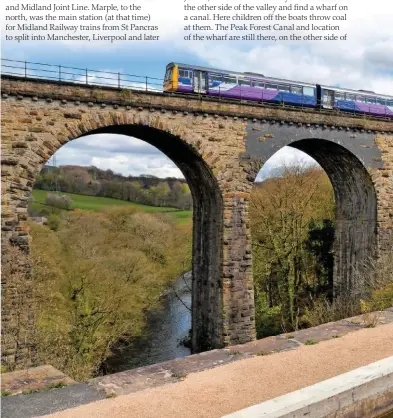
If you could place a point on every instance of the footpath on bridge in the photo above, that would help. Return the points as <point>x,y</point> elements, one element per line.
<point>250,380</point>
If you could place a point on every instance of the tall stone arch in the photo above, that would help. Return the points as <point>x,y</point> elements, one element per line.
<point>222,301</point>
<point>352,169</point>
<point>355,245</point>
<point>207,227</point>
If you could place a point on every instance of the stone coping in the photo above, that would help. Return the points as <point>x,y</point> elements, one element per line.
<point>33,380</point>
<point>173,371</point>
<point>363,392</point>
<point>91,94</point>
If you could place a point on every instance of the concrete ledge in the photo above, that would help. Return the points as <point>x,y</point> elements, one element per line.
<point>364,392</point>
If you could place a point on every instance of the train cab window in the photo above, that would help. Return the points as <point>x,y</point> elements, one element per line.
<point>370,100</point>
<point>284,89</point>
<point>243,82</point>
<point>168,75</point>
<point>296,90</point>
<point>350,97</point>
<point>229,80</point>
<point>185,74</point>
<point>258,84</point>
<point>308,91</point>
<point>339,96</point>
<point>271,86</point>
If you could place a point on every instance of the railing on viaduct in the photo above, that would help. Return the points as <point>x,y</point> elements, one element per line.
<point>86,76</point>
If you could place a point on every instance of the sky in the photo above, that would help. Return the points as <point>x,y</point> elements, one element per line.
<point>364,61</point>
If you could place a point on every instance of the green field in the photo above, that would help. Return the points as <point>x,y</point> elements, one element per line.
<point>98,204</point>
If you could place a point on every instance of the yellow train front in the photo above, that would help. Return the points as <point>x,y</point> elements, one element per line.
<point>185,78</point>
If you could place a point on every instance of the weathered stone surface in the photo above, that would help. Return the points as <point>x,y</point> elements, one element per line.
<point>218,147</point>
<point>172,371</point>
<point>34,379</point>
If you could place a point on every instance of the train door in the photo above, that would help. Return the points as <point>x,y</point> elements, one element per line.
<point>328,99</point>
<point>200,81</point>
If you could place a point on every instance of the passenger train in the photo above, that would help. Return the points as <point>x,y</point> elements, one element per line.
<point>183,78</point>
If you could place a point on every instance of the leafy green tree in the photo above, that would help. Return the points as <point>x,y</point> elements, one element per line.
<point>282,209</point>
<point>101,274</point>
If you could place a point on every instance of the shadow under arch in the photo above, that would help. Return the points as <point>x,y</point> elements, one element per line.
<point>356,212</point>
<point>207,229</point>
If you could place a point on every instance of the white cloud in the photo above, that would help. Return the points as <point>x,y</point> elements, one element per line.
<point>135,165</point>
<point>286,156</point>
<point>119,153</point>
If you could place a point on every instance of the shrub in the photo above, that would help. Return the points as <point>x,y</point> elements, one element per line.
<point>268,320</point>
<point>59,201</point>
<point>53,222</point>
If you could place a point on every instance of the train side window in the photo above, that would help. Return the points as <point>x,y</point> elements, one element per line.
<point>243,82</point>
<point>389,103</point>
<point>361,99</point>
<point>229,80</point>
<point>381,101</point>
<point>370,100</point>
<point>271,86</point>
<point>258,84</point>
<point>285,89</point>
<point>350,97</point>
<point>184,73</point>
<point>339,96</point>
<point>215,78</point>
<point>296,90</point>
<point>308,91</point>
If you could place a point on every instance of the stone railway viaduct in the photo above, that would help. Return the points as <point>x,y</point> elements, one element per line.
<point>220,146</point>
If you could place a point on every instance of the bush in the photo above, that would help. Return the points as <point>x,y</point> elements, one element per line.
<point>377,278</point>
<point>381,285</point>
<point>53,222</point>
<point>381,299</point>
<point>267,320</point>
<point>322,310</point>
<point>59,201</point>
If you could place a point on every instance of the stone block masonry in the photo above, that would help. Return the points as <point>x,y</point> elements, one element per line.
<point>220,147</point>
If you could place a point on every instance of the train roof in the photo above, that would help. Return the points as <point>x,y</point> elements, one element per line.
<point>246,74</point>
<point>358,92</point>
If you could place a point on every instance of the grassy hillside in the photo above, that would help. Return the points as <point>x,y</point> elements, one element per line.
<point>97,204</point>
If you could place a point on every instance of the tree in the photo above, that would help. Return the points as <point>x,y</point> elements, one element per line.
<point>100,275</point>
<point>282,209</point>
